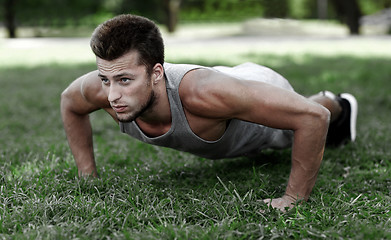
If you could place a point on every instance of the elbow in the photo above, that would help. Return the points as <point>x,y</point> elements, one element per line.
<point>321,119</point>
<point>67,103</point>
<point>326,119</point>
<point>64,99</point>
<point>325,116</point>
<point>316,120</point>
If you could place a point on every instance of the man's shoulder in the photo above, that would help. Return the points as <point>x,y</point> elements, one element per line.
<point>201,85</point>
<point>198,79</point>
<point>175,66</point>
<point>90,83</point>
<point>91,89</point>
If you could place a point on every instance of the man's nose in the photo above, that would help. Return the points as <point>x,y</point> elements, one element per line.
<point>114,94</point>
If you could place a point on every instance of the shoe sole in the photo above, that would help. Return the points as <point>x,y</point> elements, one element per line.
<point>353,114</point>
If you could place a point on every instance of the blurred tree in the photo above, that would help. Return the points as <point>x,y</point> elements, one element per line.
<point>275,8</point>
<point>220,10</point>
<point>9,17</point>
<point>53,13</point>
<point>322,9</point>
<point>303,9</point>
<point>59,13</point>
<point>171,8</point>
<point>152,9</point>
<point>349,12</point>
<point>160,11</point>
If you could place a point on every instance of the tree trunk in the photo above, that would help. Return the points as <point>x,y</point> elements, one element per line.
<point>9,8</point>
<point>350,13</point>
<point>322,9</point>
<point>172,10</point>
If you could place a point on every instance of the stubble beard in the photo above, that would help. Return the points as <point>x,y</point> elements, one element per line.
<point>143,108</point>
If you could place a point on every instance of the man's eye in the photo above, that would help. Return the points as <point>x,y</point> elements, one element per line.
<point>105,81</point>
<point>125,80</point>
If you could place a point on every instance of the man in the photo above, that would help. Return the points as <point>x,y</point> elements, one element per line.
<point>215,113</point>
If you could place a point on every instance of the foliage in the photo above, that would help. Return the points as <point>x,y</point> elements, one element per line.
<point>275,8</point>
<point>216,10</point>
<point>371,7</point>
<point>58,13</point>
<point>152,9</point>
<point>196,10</point>
<point>303,9</point>
<point>54,12</point>
<point>71,13</point>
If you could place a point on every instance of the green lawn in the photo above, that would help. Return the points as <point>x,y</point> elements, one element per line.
<point>146,192</point>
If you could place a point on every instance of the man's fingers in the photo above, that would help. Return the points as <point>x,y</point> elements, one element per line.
<point>278,203</point>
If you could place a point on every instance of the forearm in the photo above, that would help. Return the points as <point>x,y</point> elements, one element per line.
<point>79,135</point>
<point>307,154</point>
<point>306,161</point>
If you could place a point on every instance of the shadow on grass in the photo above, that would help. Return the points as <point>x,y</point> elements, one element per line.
<point>199,170</point>
<point>142,188</point>
<point>35,124</point>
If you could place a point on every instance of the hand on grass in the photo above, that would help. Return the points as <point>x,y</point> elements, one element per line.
<point>86,173</point>
<point>284,203</point>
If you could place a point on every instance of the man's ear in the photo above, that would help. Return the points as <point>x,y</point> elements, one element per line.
<point>157,73</point>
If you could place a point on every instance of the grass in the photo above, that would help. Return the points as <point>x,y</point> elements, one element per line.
<point>145,192</point>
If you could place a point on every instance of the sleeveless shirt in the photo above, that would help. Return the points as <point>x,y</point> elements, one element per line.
<point>241,138</point>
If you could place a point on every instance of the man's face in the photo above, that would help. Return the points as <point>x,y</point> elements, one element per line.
<point>127,85</point>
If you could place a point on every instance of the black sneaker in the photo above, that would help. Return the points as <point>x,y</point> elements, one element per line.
<point>343,129</point>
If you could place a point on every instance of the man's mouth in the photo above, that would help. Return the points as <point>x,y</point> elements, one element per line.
<point>118,108</point>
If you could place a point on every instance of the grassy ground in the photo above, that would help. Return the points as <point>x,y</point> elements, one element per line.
<point>145,192</point>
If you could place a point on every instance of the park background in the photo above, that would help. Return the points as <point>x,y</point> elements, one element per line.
<point>145,192</point>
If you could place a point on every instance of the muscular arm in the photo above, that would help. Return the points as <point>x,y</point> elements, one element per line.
<point>221,97</point>
<point>82,97</point>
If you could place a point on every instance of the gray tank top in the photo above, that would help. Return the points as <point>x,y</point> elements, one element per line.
<point>240,138</point>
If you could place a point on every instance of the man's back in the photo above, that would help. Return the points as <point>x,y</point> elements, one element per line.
<point>240,138</point>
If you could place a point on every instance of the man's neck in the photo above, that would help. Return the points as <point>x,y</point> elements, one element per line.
<point>157,120</point>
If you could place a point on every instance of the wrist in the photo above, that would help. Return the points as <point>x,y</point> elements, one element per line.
<point>293,199</point>
<point>87,171</point>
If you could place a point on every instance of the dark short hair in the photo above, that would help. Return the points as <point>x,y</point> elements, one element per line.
<point>124,33</point>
